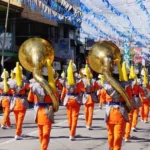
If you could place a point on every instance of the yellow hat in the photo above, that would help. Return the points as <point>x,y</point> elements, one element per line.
<point>101,77</point>
<point>70,70</point>
<point>124,72</point>
<point>14,71</point>
<point>132,74</point>
<point>50,72</point>
<point>18,72</point>
<point>63,74</point>
<point>145,78</point>
<point>7,74</point>
<point>86,71</point>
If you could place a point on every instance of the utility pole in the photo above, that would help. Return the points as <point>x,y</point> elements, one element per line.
<point>3,45</point>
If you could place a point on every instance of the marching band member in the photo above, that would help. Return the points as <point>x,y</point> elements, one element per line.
<point>145,97</point>
<point>127,86</point>
<point>5,99</point>
<point>89,96</point>
<point>116,115</point>
<point>19,103</point>
<point>44,115</point>
<point>136,102</point>
<point>71,98</point>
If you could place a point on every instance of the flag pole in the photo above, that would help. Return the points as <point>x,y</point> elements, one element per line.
<point>3,45</point>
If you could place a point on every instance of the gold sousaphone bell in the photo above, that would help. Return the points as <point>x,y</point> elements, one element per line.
<point>33,55</point>
<point>101,58</point>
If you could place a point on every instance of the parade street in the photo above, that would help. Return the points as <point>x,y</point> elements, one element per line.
<point>95,139</point>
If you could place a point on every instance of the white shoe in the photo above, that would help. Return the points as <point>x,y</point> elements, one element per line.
<point>18,137</point>
<point>145,121</point>
<point>134,130</point>
<point>71,138</point>
<point>89,128</point>
<point>4,127</point>
<point>142,120</point>
<point>127,140</point>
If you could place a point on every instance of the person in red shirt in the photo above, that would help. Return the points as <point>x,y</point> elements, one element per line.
<point>5,99</point>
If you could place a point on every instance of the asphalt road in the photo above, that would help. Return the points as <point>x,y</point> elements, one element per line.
<point>95,139</point>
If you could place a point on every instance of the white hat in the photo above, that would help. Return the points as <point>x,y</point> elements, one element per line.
<point>74,68</point>
<point>63,74</point>
<point>45,71</point>
<point>84,71</point>
<point>7,75</point>
<point>142,71</point>
<point>14,71</point>
<point>99,76</point>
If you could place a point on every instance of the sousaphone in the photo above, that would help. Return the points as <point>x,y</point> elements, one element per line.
<point>101,58</point>
<point>33,55</point>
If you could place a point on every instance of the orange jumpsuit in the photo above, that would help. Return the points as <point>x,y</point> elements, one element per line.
<point>19,105</point>
<point>89,97</point>
<point>136,104</point>
<point>144,109</point>
<point>5,99</point>
<point>130,115</point>
<point>41,116</point>
<point>114,119</point>
<point>72,100</point>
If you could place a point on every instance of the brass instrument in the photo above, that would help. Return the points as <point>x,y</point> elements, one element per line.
<point>33,55</point>
<point>101,57</point>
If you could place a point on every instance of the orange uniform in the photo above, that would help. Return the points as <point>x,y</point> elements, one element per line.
<point>19,104</point>
<point>144,109</point>
<point>115,116</point>
<point>43,117</point>
<point>72,100</point>
<point>136,102</point>
<point>89,97</point>
<point>128,125</point>
<point>5,99</point>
